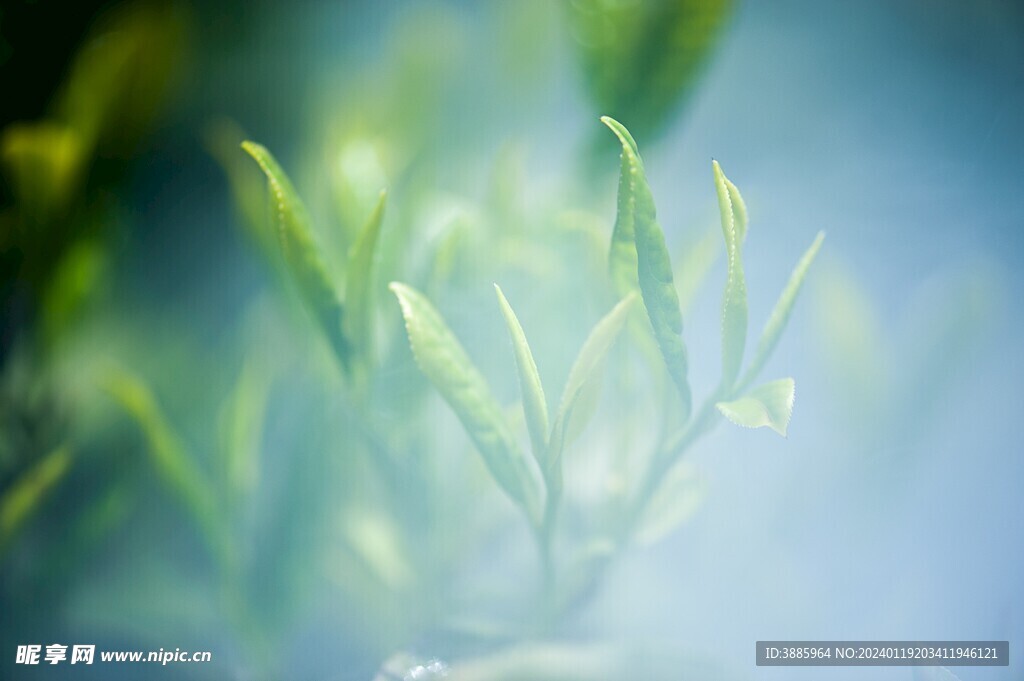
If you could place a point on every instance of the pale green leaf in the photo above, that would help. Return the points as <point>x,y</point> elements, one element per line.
<point>301,254</point>
<point>734,300</point>
<point>535,406</point>
<point>28,492</point>
<point>446,365</point>
<point>770,404</point>
<point>622,256</point>
<point>654,266</point>
<point>585,370</point>
<point>780,314</point>
<point>739,209</point>
<point>359,279</point>
<point>677,498</point>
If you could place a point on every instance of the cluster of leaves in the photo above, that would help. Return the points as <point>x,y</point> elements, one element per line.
<point>55,228</point>
<point>387,547</point>
<point>641,274</point>
<point>639,261</point>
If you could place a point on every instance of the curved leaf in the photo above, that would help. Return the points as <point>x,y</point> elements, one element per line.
<point>445,363</point>
<point>622,256</point>
<point>780,314</point>
<point>535,406</point>
<point>734,300</point>
<point>654,266</point>
<point>769,405</point>
<point>301,254</point>
<point>585,371</point>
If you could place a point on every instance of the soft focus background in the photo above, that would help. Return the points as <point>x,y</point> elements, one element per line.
<point>183,465</point>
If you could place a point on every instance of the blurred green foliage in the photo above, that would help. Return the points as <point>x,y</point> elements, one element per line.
<point>641,60</point>
<point>301,468</point>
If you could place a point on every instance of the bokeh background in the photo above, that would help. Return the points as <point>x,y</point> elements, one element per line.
<point>145,323</point>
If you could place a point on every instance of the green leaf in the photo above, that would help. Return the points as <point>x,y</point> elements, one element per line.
<point>622,256</point>
<point>770,404</point>
<point>739,208</point>
<point>28,492</point>
<point>654,266</point>
<point>447,366</point>
<point>182,477</point>
<point>677,498</point>
<point>301,254</point>
<point>535,406</point>
<point>780,314</point>
<point>734,300</point>
<point>359,279</point>
<point>585,371</point>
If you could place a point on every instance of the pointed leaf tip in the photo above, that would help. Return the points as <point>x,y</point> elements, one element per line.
<point>535,406</point>
<point>445,363</point>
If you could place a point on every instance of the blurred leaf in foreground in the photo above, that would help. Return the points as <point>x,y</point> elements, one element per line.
<point>27,493</point>
<point>641,60</point>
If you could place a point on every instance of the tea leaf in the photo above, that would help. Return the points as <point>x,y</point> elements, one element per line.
<point>447,366</point>
<point>585,370</point>
<point>301,254</point>
<point>175,468</point>
<point>359,279</point>
<point>654,266</point>
<point>780,314</point>
<point>535,406</point>
<point>739,207</point>
<point>26,494</point>
<point>770,404</point>
<point>622,256</point>
<point>734,301</point>
<point>674,502</point>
